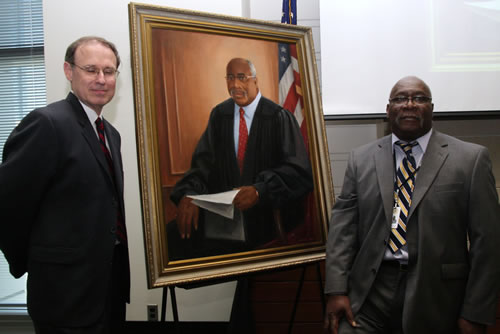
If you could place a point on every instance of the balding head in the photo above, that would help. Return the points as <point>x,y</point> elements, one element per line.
<point>241,81</point>
<point>410,108</point>
<point>410,80</point>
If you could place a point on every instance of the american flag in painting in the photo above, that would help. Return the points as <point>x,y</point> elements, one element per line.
<point>290,92</point>
<point>289,88</point>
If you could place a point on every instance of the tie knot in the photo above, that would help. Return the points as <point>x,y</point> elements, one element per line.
<point>99,123</point>
<point>407,146</point>
<point>242,112</point>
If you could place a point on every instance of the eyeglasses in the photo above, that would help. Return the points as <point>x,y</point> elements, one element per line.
<point>240,76</point>
<point>108,72</point>
<point>419,99</point>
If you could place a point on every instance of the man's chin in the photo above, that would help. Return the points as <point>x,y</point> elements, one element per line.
<point>410,124</point>
<point>102,99</point>
<point>408,133</point>
<point>240,101</point>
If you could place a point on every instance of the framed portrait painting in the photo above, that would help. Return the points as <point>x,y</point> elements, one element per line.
<point>191,72</point>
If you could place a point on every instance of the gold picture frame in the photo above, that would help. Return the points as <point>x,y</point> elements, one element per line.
<point>178,65</point>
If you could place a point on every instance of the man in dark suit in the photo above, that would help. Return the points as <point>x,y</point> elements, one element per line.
<point>413,241</point>
<point>253,144</point>
<point>61,196</point>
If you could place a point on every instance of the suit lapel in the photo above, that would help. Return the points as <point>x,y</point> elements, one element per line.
<point>432,161</point>
<point>384,165</point>
<point>114,147</point>
<point>88,133</point>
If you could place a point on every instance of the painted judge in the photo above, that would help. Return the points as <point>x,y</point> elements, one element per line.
<point>251,144</point>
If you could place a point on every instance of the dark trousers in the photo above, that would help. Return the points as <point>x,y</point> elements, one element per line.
<point>113,319</point>
<point>382,311</point>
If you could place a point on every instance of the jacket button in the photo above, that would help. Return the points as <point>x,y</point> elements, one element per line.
<point>374,271</point>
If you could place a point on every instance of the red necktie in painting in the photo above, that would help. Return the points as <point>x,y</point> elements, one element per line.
<point>242,140</point>
<point>120,224</point>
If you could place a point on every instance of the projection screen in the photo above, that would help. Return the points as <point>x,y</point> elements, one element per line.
<point>453,45</point>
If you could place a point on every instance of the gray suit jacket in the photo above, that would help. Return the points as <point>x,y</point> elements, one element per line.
<point>454,197</point>
<point>58,213</point>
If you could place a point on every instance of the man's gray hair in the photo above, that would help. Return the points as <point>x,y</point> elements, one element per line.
<point>252,68</point>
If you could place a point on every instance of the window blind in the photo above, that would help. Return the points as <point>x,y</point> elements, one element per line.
<point>22,88</point>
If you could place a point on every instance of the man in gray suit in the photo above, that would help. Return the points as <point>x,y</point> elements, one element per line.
<point>61,202</point>
<point>413,240</point>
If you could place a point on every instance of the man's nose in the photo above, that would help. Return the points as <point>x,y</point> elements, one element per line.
<point>100,77</point>
<point>236,83</point>
<point>410,102</point>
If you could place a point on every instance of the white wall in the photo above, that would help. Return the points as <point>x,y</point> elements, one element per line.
<point>307,15</point>
<point>64,22</point>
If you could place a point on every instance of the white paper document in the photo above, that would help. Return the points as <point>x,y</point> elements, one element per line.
<point>220,203</point>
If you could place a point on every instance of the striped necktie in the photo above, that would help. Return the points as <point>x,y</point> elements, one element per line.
<point>403,189</point>
<point>121,232</point>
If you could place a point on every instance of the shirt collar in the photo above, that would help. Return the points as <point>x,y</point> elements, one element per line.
<point>91,114</point>
<point>249,109</point>
<point>423,141</point>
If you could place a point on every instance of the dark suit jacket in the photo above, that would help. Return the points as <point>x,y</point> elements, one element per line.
<point>58,213</point>
<point>454,196</point>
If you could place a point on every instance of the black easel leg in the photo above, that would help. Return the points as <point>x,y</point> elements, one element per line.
<point>241,320</point>
<point>164,304</point>
<point>320,282</point>
<point>174,309</point>
<point>297,297</point>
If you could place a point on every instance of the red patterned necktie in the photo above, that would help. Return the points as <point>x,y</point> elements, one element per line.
<point>120,223</point>
<point>242,140</point>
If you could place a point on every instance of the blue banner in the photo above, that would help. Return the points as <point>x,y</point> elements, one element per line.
<point>289,12</point>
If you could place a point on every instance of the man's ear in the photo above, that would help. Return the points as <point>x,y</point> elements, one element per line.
<point>68,71</point>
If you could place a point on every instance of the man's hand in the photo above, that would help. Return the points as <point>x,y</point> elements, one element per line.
<point>246,198</point>
<point>469,327</point>
<point>337,307</point>
<point>187,215</point>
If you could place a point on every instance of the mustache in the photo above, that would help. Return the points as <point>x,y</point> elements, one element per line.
<point>234,91</point>
<point>410,114</point>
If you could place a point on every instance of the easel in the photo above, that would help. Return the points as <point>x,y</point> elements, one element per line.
<point>299,291</point>
<point>294,309</point>
<point>174,307</point>
<point>173,299</point>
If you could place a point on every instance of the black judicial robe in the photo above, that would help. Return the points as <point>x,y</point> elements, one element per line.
<point>276,164</point>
